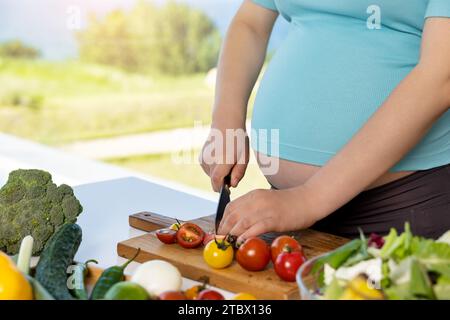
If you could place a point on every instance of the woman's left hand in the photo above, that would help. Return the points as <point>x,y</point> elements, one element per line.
<point>262,211</point>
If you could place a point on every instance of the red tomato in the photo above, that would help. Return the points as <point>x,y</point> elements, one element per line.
<point>190,235</point>
<point>253,254</point>
<point>288,263</point>
<point>209,294</point>
<point>167,236</point>
<point>172,295</point>
<point>280,243</point>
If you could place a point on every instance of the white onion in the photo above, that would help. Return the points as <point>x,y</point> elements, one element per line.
<point>158,276</point>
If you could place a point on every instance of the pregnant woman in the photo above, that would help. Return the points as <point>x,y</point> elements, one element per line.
<point>358,95</point>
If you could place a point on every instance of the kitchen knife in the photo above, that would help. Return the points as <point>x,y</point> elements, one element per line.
<point>223,200</point>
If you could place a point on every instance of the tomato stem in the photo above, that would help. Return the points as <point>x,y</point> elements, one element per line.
<point>205,281</point>
<point>287,249</point>
<point>223,244</point>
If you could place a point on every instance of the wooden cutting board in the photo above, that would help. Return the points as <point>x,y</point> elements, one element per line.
<point>263,284</point>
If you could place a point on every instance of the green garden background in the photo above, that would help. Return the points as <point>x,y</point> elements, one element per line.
<point>146,69</point>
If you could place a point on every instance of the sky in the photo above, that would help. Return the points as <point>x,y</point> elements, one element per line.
<point>43,23</point>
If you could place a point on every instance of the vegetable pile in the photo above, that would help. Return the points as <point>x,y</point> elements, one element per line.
<point>31,204</point>
<point>397,266</point>
<point>38,217</point>
<point>58,277</point>
<point>254,254</point>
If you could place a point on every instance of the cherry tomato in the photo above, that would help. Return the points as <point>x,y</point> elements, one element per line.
<point>280,242</point>
<point>244,296</point>
<point>192,293</point>
<point>190,235</point>
<point>176,226</point>
<point>208,237</point>
<point>218,254</point>
<point>253,254</point>
<point>209,294</point>
<point>167,236</point>
<point>288,263</point>
<point>172,295</point>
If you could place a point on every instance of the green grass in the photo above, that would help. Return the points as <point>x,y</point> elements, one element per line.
<point>61,102</point>
<point>164,166</point>
<point>72,101</point>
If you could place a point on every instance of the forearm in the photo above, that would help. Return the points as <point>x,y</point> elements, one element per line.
<point>241,59</point>
<point>395,128</point>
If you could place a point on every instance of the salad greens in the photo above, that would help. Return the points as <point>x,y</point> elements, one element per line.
<point>411,267</point>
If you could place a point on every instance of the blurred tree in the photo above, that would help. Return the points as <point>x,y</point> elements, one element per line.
<point>172,39</point>
<point>107,41</point>
<point>17,49</point>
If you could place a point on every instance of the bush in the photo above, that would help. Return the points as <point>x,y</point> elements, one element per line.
<point>174,39</point>
<point>32,101</point>
<point>17,49</point>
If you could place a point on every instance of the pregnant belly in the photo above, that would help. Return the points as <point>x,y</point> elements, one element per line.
<point>317,93</point>
<point>291,174</point>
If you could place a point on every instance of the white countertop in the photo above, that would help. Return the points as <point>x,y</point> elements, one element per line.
<point>108,204</point>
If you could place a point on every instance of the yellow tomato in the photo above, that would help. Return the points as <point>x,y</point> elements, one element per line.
<point>13,284</point>
<point>176,226</point>
<point>193,292</point>
<point>218,254</point>
<point>244,296</point>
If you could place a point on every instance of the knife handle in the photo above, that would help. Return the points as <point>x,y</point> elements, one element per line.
<point>227,180</point>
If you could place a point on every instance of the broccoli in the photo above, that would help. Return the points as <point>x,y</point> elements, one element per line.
<point>31,204</point>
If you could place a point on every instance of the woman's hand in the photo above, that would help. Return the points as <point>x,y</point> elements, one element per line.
<point>241,59</point>
<point>262,211</point>
<point>226,151</point>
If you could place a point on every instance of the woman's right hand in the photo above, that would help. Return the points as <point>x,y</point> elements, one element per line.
<point>226,151</point>
<point>241,59</point>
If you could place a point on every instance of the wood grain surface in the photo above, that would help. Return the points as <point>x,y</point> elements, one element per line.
<point>263,284</point>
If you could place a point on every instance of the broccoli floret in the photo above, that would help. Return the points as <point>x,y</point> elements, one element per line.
<point>30,203</point>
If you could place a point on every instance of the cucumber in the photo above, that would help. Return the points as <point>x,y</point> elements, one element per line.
<point>58,254</point>
<point>39,292</point>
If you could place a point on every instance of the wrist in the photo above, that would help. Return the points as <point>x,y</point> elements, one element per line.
<point>229,117</point>
<point>307,205</point>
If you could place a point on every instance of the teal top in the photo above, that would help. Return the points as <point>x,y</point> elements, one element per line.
<point>337,65</point>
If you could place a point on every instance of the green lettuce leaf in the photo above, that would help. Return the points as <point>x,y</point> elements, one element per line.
<point>409,280</point>
<point>389,242</point>
<point>445,238</point>
<point>398,292</point>
<point>360,255</point>
<point>334,290</point>
<point>397,246</point>
<point>442,291</point>
<point>435,256</point>
<point>442,288</point>
<point>337,257</point>
<point>419,284</point>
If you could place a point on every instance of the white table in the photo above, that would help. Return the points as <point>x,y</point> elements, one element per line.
<point>108,204</point>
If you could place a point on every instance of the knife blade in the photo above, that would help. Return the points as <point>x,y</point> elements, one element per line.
<point>224,199</point>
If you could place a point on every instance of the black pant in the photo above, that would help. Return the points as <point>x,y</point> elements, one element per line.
<point>421,198</point>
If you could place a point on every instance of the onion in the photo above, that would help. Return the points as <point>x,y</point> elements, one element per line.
<point>157,276</point>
